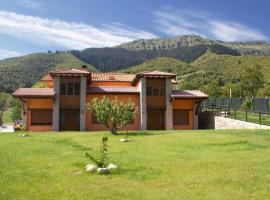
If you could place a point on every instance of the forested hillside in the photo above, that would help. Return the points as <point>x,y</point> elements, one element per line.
<point>215,74</point>
<point>26,70</point>
<point>197,61</point>
<point>110,59</point>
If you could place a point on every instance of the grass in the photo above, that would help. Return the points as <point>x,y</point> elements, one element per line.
<point>223,164</point>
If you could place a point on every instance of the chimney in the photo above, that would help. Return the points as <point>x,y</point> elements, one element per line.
<point>84,66</point>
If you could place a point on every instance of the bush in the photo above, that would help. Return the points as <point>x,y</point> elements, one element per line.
<point>103,160</point>
<point>247,104</point>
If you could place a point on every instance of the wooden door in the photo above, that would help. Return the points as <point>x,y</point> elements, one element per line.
<point>70,120</point>
<point>155,120</point>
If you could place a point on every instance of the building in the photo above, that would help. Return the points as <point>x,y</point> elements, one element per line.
<point>61,106</point>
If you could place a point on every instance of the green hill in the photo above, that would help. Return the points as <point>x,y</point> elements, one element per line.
<point>231,66</point>
<point>162,64</point>
<point>26,70</point>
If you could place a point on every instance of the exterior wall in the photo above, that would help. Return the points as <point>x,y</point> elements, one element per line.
<point>48,83</point>
<point>112,83</point>
<point>184,104</point>
<point>38,104</point>
<point>143,108</point>
<point>56,103</point>
<point>168,112</point>
<point>156,102</point>
<point>83,103</point>
<point>121,97</point>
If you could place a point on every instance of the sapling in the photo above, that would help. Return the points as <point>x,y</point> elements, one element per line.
<point>103,160</point>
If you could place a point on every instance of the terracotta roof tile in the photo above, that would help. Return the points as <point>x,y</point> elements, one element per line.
<point>186,94</point>
<point>69,71</point>
<point>33,92</point>
<point>112,90</point>
<point>156,73</point>
<point>47,77</point>
<point>112,77</point>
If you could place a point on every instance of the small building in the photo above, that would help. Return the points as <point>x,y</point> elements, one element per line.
<point>61,106</point>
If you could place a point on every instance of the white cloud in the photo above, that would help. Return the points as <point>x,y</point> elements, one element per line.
<point>172,22</point>
<point>6,54</point>
<point>32,4</point>
<point>71,35</point>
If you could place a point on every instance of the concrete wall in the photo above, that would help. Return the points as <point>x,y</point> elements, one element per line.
<point>56,103</point>
<point>168,111</point>
<point>83,103</point>
<point>227,123</point>
<point>143,111</point>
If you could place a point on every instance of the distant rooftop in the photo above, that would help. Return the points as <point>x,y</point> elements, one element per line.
<point>33,92</point>
<point>188,94</point>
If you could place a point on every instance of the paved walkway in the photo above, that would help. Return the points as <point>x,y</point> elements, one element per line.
<point>8,129</point>
<point>227,123</point>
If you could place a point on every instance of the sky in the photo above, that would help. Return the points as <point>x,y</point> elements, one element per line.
<point>29,26</point>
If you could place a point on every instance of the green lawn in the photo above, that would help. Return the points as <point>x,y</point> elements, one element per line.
<point>230,164</point>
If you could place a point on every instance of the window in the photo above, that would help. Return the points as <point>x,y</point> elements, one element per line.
<point>77,88</point>
<point>149,91</point>
<point>155,92</point>
<point>70,89</point>
<point>162,92</point>
<point>63,89</point>
<point>41,117</point>
<point>180,117</point>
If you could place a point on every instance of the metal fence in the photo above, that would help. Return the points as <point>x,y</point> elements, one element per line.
<point>257,112</point>
<point>257,104</point>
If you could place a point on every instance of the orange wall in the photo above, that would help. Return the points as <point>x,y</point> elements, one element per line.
<point>121,97</point>
<point>108,83</point>
<point>184,104</point>
<point>38,104</point>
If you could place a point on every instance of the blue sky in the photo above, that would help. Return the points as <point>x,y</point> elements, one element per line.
<point>28,26</point>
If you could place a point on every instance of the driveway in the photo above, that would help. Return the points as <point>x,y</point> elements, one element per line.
<point>8,129</point>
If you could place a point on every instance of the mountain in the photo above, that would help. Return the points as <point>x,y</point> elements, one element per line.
<point>26,70</point>
<point>212,73</point>
<point>162,64</point>
<point>135,53</point>
<point>248,47</point>
<point>189,56</point>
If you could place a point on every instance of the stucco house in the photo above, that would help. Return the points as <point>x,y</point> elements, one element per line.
<point>61,106</point>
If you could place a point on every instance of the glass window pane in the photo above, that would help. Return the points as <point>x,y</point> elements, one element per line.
<point>155,92</point>
<point>149,91</point>
<point>63,89</point>
<point>70,88</point>
<point>77,88</point>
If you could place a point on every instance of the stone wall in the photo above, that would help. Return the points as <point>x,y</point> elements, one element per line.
<point>228,123</point>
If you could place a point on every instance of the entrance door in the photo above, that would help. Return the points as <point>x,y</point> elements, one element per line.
<point>70,120</point>
<point>155,120</point>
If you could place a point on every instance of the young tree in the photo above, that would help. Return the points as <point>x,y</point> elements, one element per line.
<point>252,80</point>
<point>112,114</point>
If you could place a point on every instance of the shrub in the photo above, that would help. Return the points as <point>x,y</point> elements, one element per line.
<point>247,104</point>
<point>112,114</point>
<point>103,159</point>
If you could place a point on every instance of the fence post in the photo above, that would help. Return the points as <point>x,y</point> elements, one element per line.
<point>246,114</point>
<point>235,113</point>
<point>260,118</point>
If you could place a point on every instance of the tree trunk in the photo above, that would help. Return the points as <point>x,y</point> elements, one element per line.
<point>114,131</point>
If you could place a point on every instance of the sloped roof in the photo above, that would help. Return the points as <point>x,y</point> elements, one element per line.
<point>47,77</point>
<point>188,94</point>
<point>71,71</point>
<point>153,74</point>
<point>33,92</point>
<point>110,89</point>
<point>112,77</point>
<point>156,73</point>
